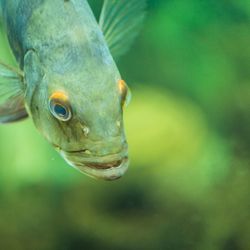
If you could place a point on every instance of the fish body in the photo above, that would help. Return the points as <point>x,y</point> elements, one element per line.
<point>68,80</point>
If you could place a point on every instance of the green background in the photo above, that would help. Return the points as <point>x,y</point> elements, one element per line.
<point>188,127</point>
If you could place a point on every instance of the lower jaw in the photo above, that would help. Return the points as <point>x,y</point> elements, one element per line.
<point>109,174</point>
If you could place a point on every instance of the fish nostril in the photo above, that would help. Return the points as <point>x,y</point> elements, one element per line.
<point>85,130</point>
<point>118,123</point>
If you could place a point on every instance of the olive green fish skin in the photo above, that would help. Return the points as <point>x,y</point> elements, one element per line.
<point>60,47</point>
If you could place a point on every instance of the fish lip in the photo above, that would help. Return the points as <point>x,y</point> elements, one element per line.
<point>108,167</point>
<point>58,148</point>
<point>105,165</point>
<point>76,151</point>
<point>108,172</point>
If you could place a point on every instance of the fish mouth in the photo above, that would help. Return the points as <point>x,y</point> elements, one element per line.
<point>107,165</point>
<point>110,167</point>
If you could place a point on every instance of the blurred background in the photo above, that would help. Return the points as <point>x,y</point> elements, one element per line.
<point>188,127</point>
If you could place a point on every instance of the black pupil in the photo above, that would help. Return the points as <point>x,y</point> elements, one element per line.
<point>60,110</point>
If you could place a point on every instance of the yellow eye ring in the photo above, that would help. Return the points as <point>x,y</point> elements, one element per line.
<point>125,93</point>
<point>59,106</point>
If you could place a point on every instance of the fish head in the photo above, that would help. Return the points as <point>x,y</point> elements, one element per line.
<point>80,112</point>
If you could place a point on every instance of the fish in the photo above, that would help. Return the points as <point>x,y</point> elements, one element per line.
<point>67,79</point>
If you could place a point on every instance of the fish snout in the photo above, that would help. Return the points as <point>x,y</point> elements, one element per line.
<point>106,168</point>
<point>108,147</point>
<point>100,160</point>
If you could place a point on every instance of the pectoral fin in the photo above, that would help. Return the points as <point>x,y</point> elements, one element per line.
<point>120,21</point>
<point>13,110</point>
<point>12,106</point>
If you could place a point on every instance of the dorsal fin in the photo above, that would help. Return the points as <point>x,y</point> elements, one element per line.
<point>1,14</point>
<point>12,106</point>
<point>120,21</point>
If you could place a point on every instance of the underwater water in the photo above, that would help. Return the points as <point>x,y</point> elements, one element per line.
<point>188,128</point>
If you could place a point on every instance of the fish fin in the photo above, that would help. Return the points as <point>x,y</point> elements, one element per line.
<point>120,21</point>
<point>12,106</point>
<point>13,109</point>
<point>1,11</point>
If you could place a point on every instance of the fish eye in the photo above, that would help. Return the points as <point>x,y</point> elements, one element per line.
<point>59,106</point>
<point>125,93</point>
